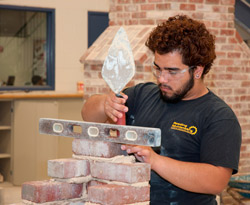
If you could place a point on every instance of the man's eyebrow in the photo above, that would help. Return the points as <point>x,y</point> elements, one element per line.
<point>167,68</point>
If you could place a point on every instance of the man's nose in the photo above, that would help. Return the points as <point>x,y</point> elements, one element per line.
<point>164,77</point>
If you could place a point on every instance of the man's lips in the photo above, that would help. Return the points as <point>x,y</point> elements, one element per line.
<point>165,88</point>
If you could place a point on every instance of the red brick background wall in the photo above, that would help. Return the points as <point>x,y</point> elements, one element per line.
<point>230,75</point>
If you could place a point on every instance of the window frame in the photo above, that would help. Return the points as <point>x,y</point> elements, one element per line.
<point>50,49</point>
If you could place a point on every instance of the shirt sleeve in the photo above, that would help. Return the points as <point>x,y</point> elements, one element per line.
<point>220,144</point>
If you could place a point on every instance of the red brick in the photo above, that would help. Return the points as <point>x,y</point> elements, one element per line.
<point>94,183</point>
<point>96,148</point>
<point>232,40</point>
<point>240,91</point>
<point>47,191</point>
<point>245,83</point>
<point>187,7</point>
<point>131,8</point>
<point>139,15</point>
<point>147,22</point>
<point>245,98</point>
<point>219,24</point>
<point>238,37</point>
<point>196,1</point>
<point>227,32</point>
<point>163,6</point>
<point>212,1</point>
<point>139,1</point>
<point>231,10</point>
<point>224,76</point>
<point>129,173</point>
<point>123,1</point>
<point>228,2</point>
<point>225,62</point>
<point>68,168</point>
<point>118,195</point>
<point>220,54</point>
<point>198,15</point>
<point>234,55</point>
<point>131,22</point>
<point>153,1</point>
<point>148,7</point>
<point>220,9</point>
<point>227,91</point>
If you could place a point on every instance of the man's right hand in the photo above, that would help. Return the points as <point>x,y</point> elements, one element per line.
<point>103,108</point>
<point>115,106</point>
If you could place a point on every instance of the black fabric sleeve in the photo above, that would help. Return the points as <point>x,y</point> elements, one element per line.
<point>220,144</point>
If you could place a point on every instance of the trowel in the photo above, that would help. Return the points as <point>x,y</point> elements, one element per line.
<point>119,66</point>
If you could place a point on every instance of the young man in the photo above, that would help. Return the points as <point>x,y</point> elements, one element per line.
<point>201,136</point>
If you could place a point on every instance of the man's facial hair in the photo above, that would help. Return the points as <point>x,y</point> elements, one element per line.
<point>180,94</point>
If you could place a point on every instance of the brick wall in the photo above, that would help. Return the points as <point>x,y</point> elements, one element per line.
<point>229,77</point>
<point>98,173</point>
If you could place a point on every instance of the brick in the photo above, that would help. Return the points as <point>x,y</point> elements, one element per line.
<point>147,7</point>
<point>228,2</point>
<point>227,91</point>
<point>238,37</point>
<point>117,195</point>
<point>187,7</point>
<point>131,8</point>
<point>139,1</point>
<point>123,1</point>
<point>153,1</point>
<point>96,148</point>
<point>139,15</point>
<point>220,9</point>
<point>227,32</point>
<point>225,62</point>
<point>212,1</point>
<point>47,191</point>
<point>94,183</point>
<point>198,15</point>
<point>196,1</point>
<point>234,55</point>
<point>147,22</point>
<point>232,40</point>
<point>163,6</point>
<point>219,24</point>
<point>68,168</point>
<point>129,173</point>
<point>245,83</point>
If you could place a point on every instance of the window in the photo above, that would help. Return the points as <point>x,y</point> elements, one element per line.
<point>97,23</point>
<point>27,48</point>
<point>242,16</point>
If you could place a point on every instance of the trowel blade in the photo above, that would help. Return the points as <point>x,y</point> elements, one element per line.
<point>119,66</point>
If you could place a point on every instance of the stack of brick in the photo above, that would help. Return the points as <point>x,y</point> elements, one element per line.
<point>98,173</point>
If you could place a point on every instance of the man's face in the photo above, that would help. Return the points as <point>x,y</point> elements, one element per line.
<point>175,81</point>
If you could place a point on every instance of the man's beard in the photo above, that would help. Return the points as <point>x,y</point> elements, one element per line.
<point>178,95</point>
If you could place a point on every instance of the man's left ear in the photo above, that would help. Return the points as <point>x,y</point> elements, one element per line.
<point>198,72</point>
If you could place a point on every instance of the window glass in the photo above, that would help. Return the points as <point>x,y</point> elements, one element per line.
<point>26,48</point>
<point>97,23</point>
<point>242,16</point>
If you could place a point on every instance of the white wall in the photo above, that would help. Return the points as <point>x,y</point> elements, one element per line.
<point>71,35</point>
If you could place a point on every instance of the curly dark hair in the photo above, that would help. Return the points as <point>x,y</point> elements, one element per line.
<point>187,36</point>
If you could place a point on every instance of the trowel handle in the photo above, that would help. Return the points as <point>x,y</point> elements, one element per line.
<point>121,121</point>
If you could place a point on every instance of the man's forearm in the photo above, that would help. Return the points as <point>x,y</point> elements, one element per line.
<point>93,109</point>
<point>194,177</point>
